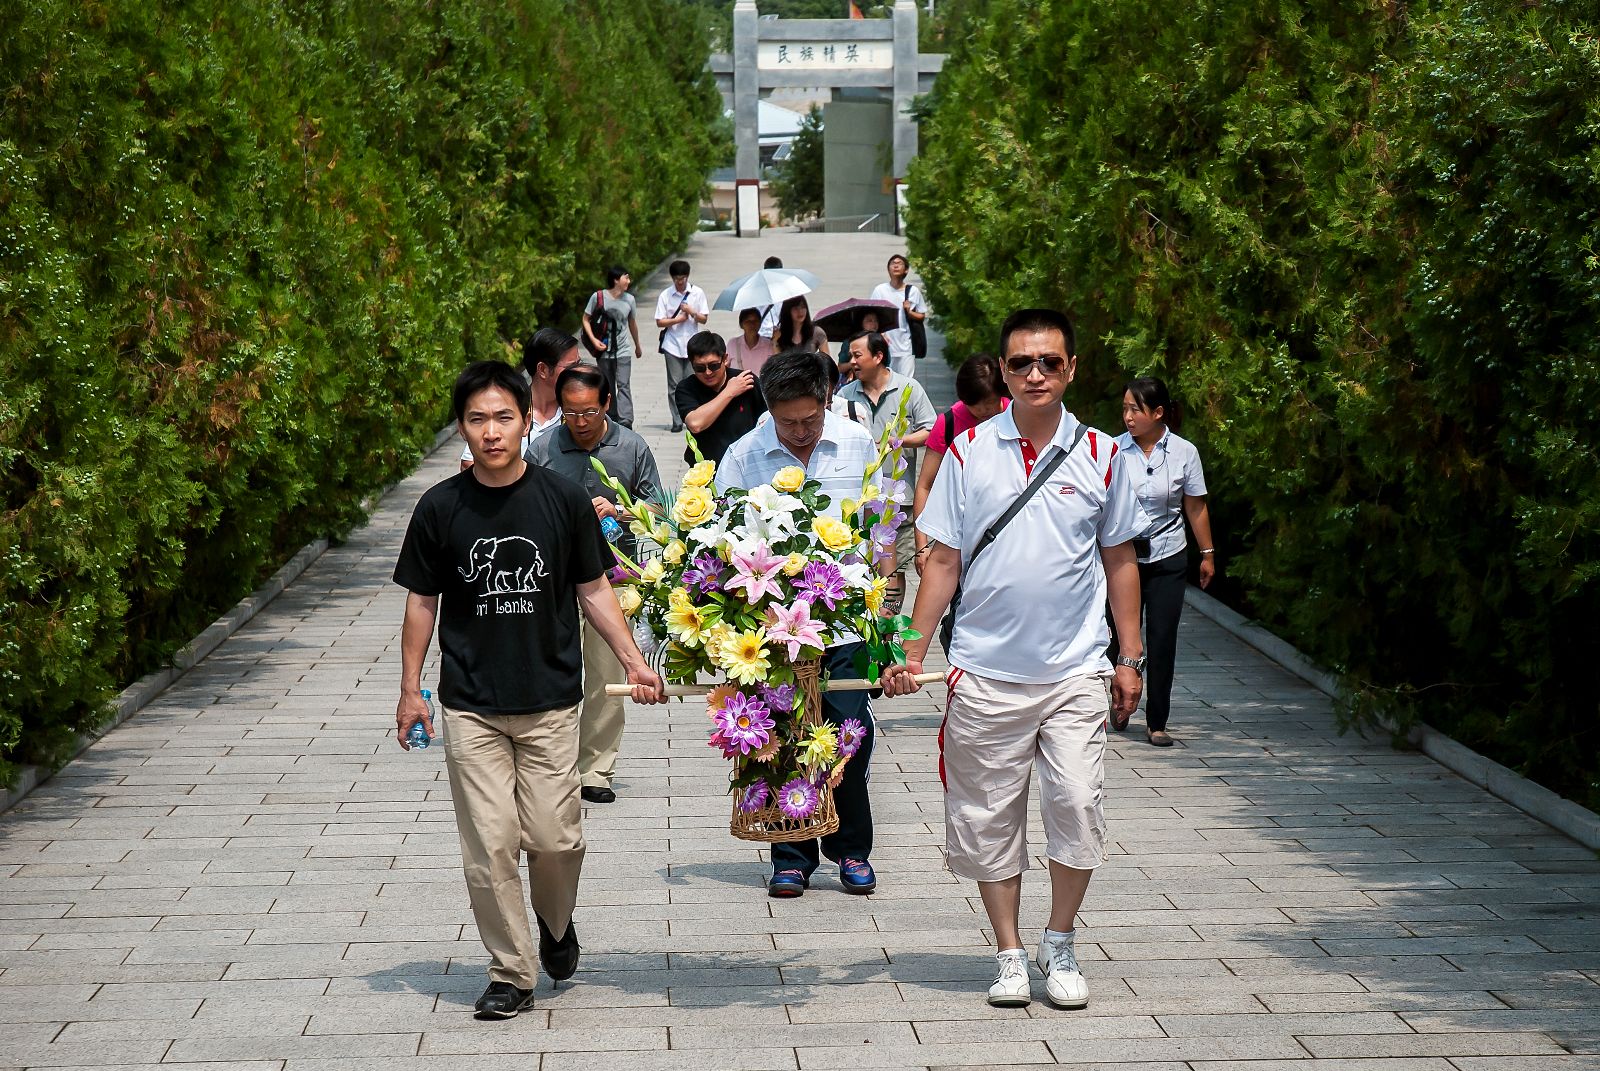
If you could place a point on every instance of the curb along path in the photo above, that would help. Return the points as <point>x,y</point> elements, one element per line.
<point>251,874</point>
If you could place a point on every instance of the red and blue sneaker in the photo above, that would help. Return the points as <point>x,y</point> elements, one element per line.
<point>787,883</point>
<point>856,876</point>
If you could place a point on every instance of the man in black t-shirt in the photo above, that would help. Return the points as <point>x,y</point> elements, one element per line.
<point>501,555</point>
<point>718,403</point>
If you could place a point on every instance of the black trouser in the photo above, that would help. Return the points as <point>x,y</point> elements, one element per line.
<point>1161,585</point>
<point>853,838</point>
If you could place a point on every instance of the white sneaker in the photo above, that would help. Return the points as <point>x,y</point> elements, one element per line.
<point>1063,982</point>
<point>1011,988</point>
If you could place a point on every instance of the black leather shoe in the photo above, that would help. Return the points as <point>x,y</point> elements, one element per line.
<point>558,958</point>
<point>502,1000</point>
<point>597,795</point>
<point>675,429</point>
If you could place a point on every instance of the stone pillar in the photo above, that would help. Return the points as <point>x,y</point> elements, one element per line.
<point>747,119</point>
<point>905,85</point>
<point>906,65</point>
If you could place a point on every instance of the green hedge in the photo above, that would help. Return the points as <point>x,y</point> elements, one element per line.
<point>1362,241</point>
<point>244,247</point>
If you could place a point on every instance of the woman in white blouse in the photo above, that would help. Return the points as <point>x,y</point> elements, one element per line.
<point>1166,470</point>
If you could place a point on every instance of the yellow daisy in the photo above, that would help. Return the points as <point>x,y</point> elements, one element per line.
<point>875,594</point>
<point>744,656</point>
<point>686,625</point>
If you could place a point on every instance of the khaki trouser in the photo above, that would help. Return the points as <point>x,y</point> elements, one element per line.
<point>514,780</point>
<point>600,725</point>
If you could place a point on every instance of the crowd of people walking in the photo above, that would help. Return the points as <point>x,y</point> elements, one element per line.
<point>1052,559</point>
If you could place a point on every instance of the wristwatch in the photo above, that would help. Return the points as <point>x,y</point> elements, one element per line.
<point>1135,664</point>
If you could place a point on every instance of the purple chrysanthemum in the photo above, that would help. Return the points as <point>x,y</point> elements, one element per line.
<point>798,798</point>
<point>851,735</point>
<point>780,699</point>
<point>702,573</point>
<point>744,723</point>
<point>754,797</point>
<point>821,582</point>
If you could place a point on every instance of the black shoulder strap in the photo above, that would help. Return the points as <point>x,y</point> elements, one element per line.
<point>1040,476</point>
<point>949,427</point>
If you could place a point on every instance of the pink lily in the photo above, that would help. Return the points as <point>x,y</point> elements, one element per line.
<point>756,573</point>
<point>794,627</point>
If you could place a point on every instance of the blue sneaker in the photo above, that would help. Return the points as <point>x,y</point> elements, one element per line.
<point>787,883</point>
<point>856,876</point>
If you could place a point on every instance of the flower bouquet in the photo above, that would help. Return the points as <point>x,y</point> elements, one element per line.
<point>750,587</point>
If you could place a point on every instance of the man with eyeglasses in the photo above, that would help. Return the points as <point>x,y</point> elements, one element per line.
<point>836,453</point>
<point>587,433</point>
<point>719,403</point>
<point>1029,684</point>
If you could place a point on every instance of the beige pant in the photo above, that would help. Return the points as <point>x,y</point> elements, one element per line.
<point>514,780</point>
<point>600,725</point>
<point>994,734</point>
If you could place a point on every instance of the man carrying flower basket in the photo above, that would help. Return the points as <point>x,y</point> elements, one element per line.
<point>1030,523</point>
<point>500,556</point>
<point>835,454</point>
<point>766,581</point>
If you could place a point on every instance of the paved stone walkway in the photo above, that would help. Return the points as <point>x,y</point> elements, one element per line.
<point>251,875</point>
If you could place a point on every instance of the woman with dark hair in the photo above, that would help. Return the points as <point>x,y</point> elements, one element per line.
<point>1166,469</point>
<point>749,350</point>
<point>795,330</point>
<point>981,393</point>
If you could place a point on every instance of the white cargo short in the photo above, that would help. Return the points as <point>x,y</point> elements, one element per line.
<point>993,736</point>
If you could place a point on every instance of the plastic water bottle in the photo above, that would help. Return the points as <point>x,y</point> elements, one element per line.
<point>611,528</point>
<point>418,736</point>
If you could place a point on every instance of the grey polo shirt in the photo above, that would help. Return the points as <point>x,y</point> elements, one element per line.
<point>624,454</point>
<point>920,413</point>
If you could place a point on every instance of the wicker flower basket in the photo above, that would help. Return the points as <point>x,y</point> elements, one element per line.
<point>769,824</point>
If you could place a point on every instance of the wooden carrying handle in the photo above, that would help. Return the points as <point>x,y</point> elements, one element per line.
<point>847,684</point>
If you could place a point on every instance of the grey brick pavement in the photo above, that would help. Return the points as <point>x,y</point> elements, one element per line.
<point>251,875</point>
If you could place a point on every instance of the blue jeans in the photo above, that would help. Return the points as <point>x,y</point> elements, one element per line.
<point>853,838</point>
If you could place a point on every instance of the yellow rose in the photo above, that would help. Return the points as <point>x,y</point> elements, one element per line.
<point>700,475</point>
<point>833,534</point>
<point>794,564</point>
<point>628,598</point>
<point>693,508</point>
<point>674,552</point>
<point>678,598</point>
<point>653,572</point>
<point>789,480</point>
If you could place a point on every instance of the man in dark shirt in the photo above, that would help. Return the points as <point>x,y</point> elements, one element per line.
<point>719,404</point>
<point>501,555</point>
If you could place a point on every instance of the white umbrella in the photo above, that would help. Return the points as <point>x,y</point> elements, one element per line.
<point>769,286</point>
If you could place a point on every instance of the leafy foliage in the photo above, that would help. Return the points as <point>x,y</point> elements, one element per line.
<point>1360,239</point>
<point>244,248</point>
<point>797,183</point>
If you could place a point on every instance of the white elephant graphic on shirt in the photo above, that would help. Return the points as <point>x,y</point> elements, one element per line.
<point>504,566</point>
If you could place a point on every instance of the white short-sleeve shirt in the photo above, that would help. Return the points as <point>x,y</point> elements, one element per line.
<point>1033,605</point>
<point>901,359</point>
<point>668,305</point>
<point>839,460</point>
<point>1171,471</point>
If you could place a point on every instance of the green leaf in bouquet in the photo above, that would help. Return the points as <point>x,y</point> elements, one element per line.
<point>909,634</point>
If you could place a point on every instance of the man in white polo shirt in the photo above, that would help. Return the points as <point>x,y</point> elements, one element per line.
<point>1029,683</point>
<point>836,453</point>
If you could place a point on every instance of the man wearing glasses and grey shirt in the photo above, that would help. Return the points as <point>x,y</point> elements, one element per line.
<point>587,433</point>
